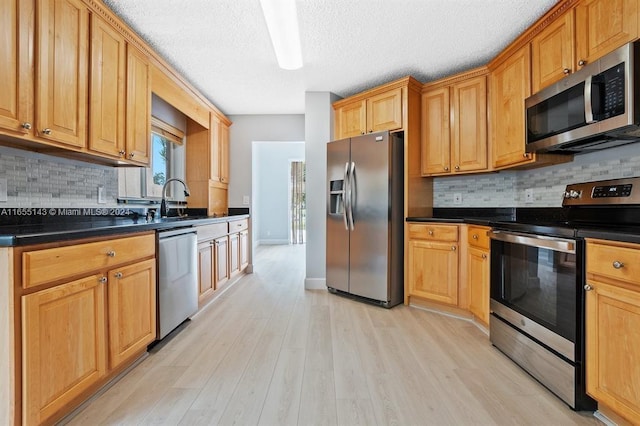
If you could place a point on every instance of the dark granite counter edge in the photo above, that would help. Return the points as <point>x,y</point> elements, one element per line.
<point>453,220</point>
<point>610,235</point>
<point>11,240</point>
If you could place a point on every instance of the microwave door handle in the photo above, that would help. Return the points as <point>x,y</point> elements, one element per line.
<point>588,101</point>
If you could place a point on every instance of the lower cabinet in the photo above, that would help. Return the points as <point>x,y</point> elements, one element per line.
<point>244,249</point>
<point>613,327</point>
<point>433,262</point>
<point>205,270</point>
<point>234,254</point>
<point>77,334</point>
<point>478,273</point>
<point>221,246</point>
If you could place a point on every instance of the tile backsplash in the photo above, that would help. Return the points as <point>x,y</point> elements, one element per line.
<point>38,180</point>
<point>507,188</point>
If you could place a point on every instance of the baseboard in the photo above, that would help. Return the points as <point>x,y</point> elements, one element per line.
<point>315,284</point>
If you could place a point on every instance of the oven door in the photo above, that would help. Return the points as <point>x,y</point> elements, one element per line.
<point>535,287</point>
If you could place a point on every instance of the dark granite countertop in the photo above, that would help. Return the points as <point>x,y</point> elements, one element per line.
<point>474,216</point>
<point>72,227</point>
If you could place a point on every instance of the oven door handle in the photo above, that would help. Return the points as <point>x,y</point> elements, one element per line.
<point>540,241</point>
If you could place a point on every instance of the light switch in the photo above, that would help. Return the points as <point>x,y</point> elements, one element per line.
<point>245,200</point>
<point>3,190</point>
<point>101,196</point>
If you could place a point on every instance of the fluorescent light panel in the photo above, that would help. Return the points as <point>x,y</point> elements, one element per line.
<point>282,22</point>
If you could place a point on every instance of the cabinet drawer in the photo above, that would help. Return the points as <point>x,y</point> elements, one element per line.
<point>620,262</point>
<point>238,225</point>
<point>431,231</point>
<point>208,232</point>
<point>42,266</point>
<point>478,237</point>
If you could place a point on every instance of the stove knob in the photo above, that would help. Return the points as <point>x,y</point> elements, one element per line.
<point>574,194</point>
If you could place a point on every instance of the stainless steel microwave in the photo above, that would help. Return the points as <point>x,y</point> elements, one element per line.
<point>596,107</point>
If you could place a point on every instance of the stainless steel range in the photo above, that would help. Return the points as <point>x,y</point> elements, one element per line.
<point>537,280</point>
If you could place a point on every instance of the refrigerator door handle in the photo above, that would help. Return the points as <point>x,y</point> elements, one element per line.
<point>352,190</point>
<point>345,192</point>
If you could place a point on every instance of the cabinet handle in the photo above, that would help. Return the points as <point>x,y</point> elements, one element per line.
<point>111,253</point>
<point>457,167</point>
<point>46,131</point>
<point>618,264</point>
<point>430,232</point>
<point>362,133</point>
<point>453,248</point>
<point>102,280</point>
<point>122,152</point>
<point>446,169</point>
<point>118,275</point>
<point>475,236</point>
<point>131,155</point>
<point>222,179</point>
<point>484,256</point>
<point>526,155</point>
<point>587,287</point>
<point>26,125</point>
<point>582,62</point>
<point>566,71</point>
<point>370,130</point>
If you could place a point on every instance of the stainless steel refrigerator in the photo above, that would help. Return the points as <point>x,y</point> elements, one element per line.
<point>365,218</point>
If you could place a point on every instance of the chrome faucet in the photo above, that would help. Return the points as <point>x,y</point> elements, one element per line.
<point>163,203</point>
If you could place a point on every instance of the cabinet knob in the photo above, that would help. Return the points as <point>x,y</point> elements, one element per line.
<point>131,155</point>
<point>618,264</point>
<point>26,125</point>
<point>446,169</point>
<point>475,236</point>
<point>111,253</point>
<point>587,287</point>
<point>362,133</point>
<point>582,62</point>
<point>46,131</point>
<point>526,155</point>
<point>484,256</point>
<point>453,248</point>
<point>370,130</point>
<point>457,167</point>
<point>430,232</point>
<point>566,71</point>
<point>118,275</point>
<point>121,152</point>
<point>102,280</point>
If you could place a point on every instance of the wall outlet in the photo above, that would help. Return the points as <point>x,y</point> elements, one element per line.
<point>245,200</point>
<point>3,190</point>
<point>457,198</point>
<point>101,195</point>
<point>528,195</point>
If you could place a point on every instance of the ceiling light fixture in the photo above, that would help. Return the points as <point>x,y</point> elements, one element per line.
<point>282,22</point>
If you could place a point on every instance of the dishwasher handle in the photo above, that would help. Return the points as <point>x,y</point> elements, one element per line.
<point>174,232</point>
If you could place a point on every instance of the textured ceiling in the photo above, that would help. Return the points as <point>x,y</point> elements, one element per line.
<point>223,48</point>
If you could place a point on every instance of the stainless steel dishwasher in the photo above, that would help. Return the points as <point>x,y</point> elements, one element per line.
<point>177,278</point>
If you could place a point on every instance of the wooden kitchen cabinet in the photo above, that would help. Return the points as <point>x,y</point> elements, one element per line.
<point>62,80</point>
<point>244,249</point>
<point>16,96</point>
<point>234,254</point>
<point>604,25</point>
<point>63,345</point>
<point>433,262</point>
<point>138,120</point>
<point>132,310</point>
<point>221,246</point>
<point>478,272</point>
<point>552,52</point>
<point>224,154</point>
<point>206,271</point>
<point>83,318</point>
<point>454,125</point>
<point>371,111</point>
<point>613,326</point>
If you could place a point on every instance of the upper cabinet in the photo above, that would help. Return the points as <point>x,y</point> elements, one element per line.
<point>374,113</point>
<point>553,55</point>
<point>138,126</point>
<point>454,125</point>
<point>604,25</point>
<point>62,71</point>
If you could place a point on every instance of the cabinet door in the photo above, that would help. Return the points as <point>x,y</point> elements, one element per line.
<point>205,269</point>
<point>222,260</point>
<point>63,345</point>
<point>478,273</point>
<point>17,61</point>
<point>224,153</point>
<point>351,120</point>
<point>62,71</point>
<point>552,53</point>
<point>132,310</point>
<point>510,86</point>
<point>138,127</point>
<point>107,91</point>
<point>436,147</point>
<point>234,254</point>
<point>214,148</point>
<point>433,271</point>
<point>604,25</point>
<point>469,139</point>
<point>384,111</point>
<point>244,249</point>
<point>612,345</point>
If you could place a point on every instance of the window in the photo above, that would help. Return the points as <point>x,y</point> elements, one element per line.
<point>164,140</point>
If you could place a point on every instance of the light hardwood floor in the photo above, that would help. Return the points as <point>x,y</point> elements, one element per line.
<point>267,352</point>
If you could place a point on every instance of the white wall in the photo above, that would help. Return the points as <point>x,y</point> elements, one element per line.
<point>271,176</point>
<point>318,131</point>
